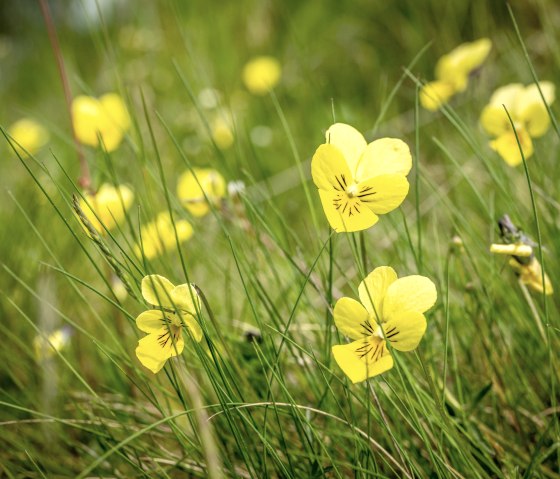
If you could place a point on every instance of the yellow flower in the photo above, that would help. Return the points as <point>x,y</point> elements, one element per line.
<point>28,135</point>
<point>159,235</point>
<point>523,260</point>
<point>46,347</point>
<point>177,306</point>
<point>107,207</point>
<point>222,134</point>
<point>357,181</point>
<point>261,74</point>
<point>198,187</point>
<point>453,71</point>
<point>106,117</point>
<point>528,113</point>
<point>390,310</point>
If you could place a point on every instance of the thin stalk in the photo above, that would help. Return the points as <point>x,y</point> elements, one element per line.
<point>85,177</point>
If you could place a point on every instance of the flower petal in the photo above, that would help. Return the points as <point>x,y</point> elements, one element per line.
<point>373,288</point>
<point>411,293</point>
<point>494,120</point>
<point>357,366</point>
<point>156,348</point>
<point>350,316</point>
<point>457,65</point>
<point>198,187</point>
<point>531,94</point>
<point>384,156</point>
<point>107,207</point>
<point>185,298</point>
<point>192,324</point>
<point>383,193</point>
<point>157,290</point>
<point>507,95</point>
<point>405,330</point>
<point>115,108</point>
<point>536,118</point>
<point>506,146</point>
<point>329,169</point>
<point>435,94</point>
<point>151,321</point>
<point>346,214</point>
<point>349,141</point>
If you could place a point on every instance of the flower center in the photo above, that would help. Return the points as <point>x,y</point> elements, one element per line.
<point>378,332</point>
<point>352,190</point>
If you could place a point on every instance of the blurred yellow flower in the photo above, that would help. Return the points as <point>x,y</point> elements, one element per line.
<point>198,187</point>
<point>357,181</point>
<point>46,347</point>
<point>107,208</point>
<point>106,117</point>
<point>390,310</point>
<point>452,73</point>
<point>119,289</point>
<point>28,135</point>
<point>528,113</point>
<point>261,74</point>
<point>222,134</point>
<point>159,235</point>
<point>177,306</point>
<point>523,261</point>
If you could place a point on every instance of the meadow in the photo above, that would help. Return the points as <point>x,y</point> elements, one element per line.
<point>199,253</point>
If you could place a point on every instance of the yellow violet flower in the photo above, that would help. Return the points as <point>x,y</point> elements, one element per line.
<point>452,73</point>
<point>107,207</point>
<point>159,235</point>
<point>390,310</point>
<point>523,261</point>
<point>358,181</point>
<point>198,187</point>
<point>528,113</point>
<point>176,307</point>
<point>106,117</point>
<point>28,135</point>
<point>45,348</point>
<point>261,74</point>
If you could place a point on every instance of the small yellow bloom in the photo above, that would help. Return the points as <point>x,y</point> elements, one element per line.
<point>523,260</point>
<point>390,310</point>
<point>159,235</point>
<point>452,73</point>
<point>107,208</point>
<point>199,187</point>
<point>177,306</point>
<point>357,181</point>
<point>261,74</point>
<point>222,134</point>
<point>46,347</point>
<point>528,113</point>
<point>106,117</point>
<point>28,135</point>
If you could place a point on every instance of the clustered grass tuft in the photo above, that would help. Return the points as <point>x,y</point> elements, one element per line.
<point>261,395</point>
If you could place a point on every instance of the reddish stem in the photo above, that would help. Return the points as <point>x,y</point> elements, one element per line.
<point>85,178</point>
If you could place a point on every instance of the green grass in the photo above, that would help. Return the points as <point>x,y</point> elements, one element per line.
<point>477,399</point>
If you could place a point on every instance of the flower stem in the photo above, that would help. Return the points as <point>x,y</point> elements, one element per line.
<point>85,178</point>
